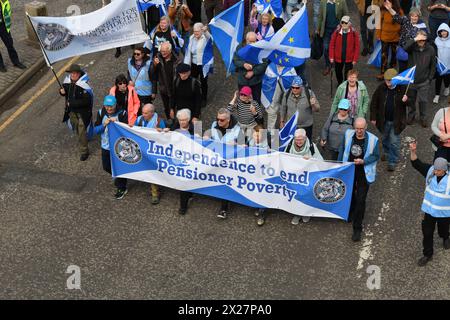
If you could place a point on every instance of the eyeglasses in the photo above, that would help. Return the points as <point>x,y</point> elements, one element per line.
<point>120,83</point>
<point>137,53</point>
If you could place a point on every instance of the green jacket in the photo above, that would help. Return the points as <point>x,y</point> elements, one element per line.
<point>363,99</point>
<point>6,14</point>
<point>341,10</point>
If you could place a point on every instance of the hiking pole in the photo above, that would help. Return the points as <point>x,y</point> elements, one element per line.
<point>331,83</point>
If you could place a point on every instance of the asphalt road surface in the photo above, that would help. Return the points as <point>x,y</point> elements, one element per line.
<point>56,211</point>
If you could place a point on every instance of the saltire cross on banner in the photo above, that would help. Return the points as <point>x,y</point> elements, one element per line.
<point>441,68</point>
<point>274,6</point>
<point>404,78</point>
<point>288,131</point>
<point>289,47</point>
<point>143,5</point>
<point>273,78</point>
<point>231,172</point>
<point>227,29</point>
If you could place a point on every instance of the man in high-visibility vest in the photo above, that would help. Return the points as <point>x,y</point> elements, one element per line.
<point>5,35</point>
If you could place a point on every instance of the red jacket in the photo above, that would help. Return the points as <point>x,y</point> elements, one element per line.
<point>133,103</point>
<point>352,50</point>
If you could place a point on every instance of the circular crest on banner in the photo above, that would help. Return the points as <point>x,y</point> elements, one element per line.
<point>127,150</point>
<point>329,190</point>
<point>54,36</point>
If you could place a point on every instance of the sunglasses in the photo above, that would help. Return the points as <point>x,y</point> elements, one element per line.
<point>137,53</point>
<point>120,83</point>
<point>343,22</point>
<point>295,88</point>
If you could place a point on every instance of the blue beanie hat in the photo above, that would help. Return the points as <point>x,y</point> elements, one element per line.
<point>297,82</point>
<point>110,101</point>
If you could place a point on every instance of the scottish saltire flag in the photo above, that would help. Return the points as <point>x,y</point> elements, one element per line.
<point>143,5</point>
<point>375,57</point>
<point>208,58</point>
<point>116,25</point>
<point>82,83</point>
<point>288,131</point>
<point>441,68</point>
<point>289,46</point>
<point>179,37</point>
<point>270,6</point>
<point>406,77</point>
<point>227,29</point>
<point>273,78</point>
<point>250,176</point>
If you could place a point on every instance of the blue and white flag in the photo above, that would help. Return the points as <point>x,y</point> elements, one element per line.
<point>227,29</point>
<point>289,46</point>
<point>116,25</point>
<point>272,78</point>
<point>143,5</point>
<point>274,6</point>
<point>204,51</point>
<point>208,58</point>
<point>441,68</point>
<point>375,57</point>
<point>405,78</point>
<point>82,83</point>
<point>239,174</point>
<point>288,131</point>
<point>161,40</point>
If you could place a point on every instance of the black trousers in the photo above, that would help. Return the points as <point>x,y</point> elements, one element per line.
<point>309,131</point>
<point>358,204</point>
<point>442,152</point>
<point>166,103</point>
<point>184,198</point>
<point>197,72</point>
<point>428,225</point>
<point>439,80</point>
<point>195,6</point>
<point>8,41</point>
<point>120,183</point>
<point>256,91</point>
<point>338,67</point>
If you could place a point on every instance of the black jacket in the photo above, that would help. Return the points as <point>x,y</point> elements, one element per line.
<point>425,61</point>
<point>187,94</point>
<point>77,100</point>
<point>164,74</point>
<point>378,108</point>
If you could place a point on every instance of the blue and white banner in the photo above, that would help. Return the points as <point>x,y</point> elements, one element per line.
<point>274,7</point>
<point>227,29</point>
<point>404,78</point>
<point>275,76</point>
<point>375,57</point>
<point>116,25</point>
<point>249,176</point>
<point>143,5</point>
<point>287,133</point>
<point>289,47</point>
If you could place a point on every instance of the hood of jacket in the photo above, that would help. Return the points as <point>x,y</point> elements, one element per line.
<point>445,27</point>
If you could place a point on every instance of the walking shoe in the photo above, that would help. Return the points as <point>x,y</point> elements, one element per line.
<point>424,124</point>
<point>257,213</point>
<point>356,235</point>
<point>295,220</point>
<point>306,219</point>
<point>118,53</point>
<point>182,211</point>
<point>84,157</point>
<point>391,167</point>
<point>424,260</point>
<point>447,91</point>
<point>446,244</point>
<point>120,193</point>
<point>383,157</point>
<point>364,52</point>
<point>2,68</point>
<point>260,221</point>
<point>326,71</point>
<point>222,214</point>
<point>155,199</point>
<point>20,65</point>
<point>436,99</point>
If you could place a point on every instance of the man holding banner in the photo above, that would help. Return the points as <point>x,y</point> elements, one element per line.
<point>360,147</point>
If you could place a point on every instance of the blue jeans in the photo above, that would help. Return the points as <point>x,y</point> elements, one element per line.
<point>391,143</point>
<point>326,44</point>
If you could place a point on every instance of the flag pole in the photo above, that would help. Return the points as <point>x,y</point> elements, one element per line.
<point>43,51</point>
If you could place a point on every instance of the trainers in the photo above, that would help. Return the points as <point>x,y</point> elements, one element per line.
<point>84,157</point>
<point>391,167</point>
<point>20,65</point>
<point>182,211</point>
<point>260,221</point>
<point>446,244</point>
<point>356,236</point>
<point>365,52</point>
<point>155,199</point>
<point>118,53</point>
<point>424,260</point>
<point>257,213</point>
<point>447,91</point>
<point>2,68</point>
<point>295,220</point>
<point>436,99</point>
<point>222,214</point>
<point>120,194</point>
<point>424,123</point>
<point>306,219</point>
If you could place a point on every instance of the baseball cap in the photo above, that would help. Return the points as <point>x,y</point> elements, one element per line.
<point>246,91</point>
<point>109,101</point>
<point>345,19</point>
<point>390,73</point>
<point>344,104</point>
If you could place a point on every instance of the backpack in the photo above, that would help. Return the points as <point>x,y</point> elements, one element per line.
<point>194,82</point>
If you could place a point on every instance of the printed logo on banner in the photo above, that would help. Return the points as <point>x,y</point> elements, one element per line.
<point>329,190</point>
<point>127,150</point>
<point>55,36</point>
